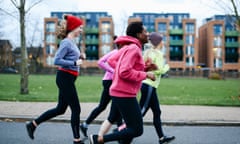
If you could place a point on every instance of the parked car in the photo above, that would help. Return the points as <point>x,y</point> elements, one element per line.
<point>9,70</point>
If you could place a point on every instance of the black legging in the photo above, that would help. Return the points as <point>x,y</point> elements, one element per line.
<point>104,101</point>
<point>67,97</point>
<point>129,109</point>
<point>148,100</point>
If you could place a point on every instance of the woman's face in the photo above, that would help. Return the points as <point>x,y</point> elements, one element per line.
<point>143,37</point>
<point>78,31</point>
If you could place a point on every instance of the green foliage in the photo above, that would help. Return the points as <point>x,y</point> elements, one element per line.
<point>172,91</point>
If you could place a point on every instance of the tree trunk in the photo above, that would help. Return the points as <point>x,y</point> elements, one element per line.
<point>24,56</point>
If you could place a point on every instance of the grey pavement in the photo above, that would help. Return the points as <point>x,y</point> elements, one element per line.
<point>171,114</point>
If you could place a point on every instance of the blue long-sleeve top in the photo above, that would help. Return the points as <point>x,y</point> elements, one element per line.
<point>67,54</point>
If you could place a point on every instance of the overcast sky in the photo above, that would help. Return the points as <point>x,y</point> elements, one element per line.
<point>120,10</point>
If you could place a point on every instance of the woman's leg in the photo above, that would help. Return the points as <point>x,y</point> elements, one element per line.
<point>155,107</point>
<point>104,101</point>
<point>58,110</point>
<point>131,114</point>
<point>62,103</point>
<point>71,97</point>
<point>146,94</point>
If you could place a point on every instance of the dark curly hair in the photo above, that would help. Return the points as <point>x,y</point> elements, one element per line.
<point>134,28</point>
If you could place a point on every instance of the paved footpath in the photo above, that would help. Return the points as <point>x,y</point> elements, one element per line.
<point>171,114</point>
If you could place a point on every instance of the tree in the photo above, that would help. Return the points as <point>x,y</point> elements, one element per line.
<point>231,8</point>
<point>1,25</point>
<point>20,6</point>
<point>236,5</point>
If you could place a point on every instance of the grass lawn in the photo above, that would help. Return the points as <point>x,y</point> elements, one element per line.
<point>172,91</point>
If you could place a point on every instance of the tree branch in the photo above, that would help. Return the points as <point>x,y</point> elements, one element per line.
<point>9,13</point>
<point>14,2</point>
<point>34,4</point>
<point>236,12</point>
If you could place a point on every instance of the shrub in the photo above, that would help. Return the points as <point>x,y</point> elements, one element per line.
<point>214,76</point>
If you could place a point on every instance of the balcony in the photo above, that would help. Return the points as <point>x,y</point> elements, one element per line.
<point>91,42</point>
<point>91,30</point>
<point>232,44</point>
<point>176,32</point>
<point>176,42</point>
<point>232,33</point>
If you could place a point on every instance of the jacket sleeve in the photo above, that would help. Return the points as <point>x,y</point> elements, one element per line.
<point>157,58</point>
<point>131,65</point>
<point>103,64</point>
<point>113,59</point>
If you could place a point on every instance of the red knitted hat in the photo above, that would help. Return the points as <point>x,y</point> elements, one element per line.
<point>73,22</point>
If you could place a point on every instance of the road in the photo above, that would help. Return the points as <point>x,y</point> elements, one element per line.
<point>60,133</point>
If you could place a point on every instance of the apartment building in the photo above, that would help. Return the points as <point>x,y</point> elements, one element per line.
<point>96,40</point>
<point>6,57</point>
<point>216,46</point>
<point>179,36</point>
<point>219,43</point>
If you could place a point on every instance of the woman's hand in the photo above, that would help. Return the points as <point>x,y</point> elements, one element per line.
<point>82,56</point>
<point>151,76</point>
<point>149,65</point>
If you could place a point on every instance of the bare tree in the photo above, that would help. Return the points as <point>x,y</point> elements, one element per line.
<point>231,8</point>
<point>236,8</point>
<point>1,26</point>
<point>20,6</point>
<point>1,33</point>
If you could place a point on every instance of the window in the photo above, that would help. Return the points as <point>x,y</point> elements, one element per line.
<point>152,18</point>
<point>164,49</point>
<point>50,38</point>
<point>190,50</point>
<point>218,63</point>
<point>231,39</point>
<point>175,37</point>
<point>106,27</point>
<point>180,17</point>
<point>170,17</point>
<point>162,27</point>
<point>176,53</point>
<point>217,41</point>
<point>231,55</point>
<point>50,50</point>
<point>164,38</point>
<point>190,61</point>
<point>217,29</point>
<point>217,52</point>
<point>50,60</point>
<point>190,28</point>
<point>189,39</point>
<point>105,49</point>
<point>106,38</point>
<point>50,27</point>
<point>91,53</point>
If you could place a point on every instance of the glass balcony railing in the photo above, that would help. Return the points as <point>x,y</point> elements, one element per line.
<point>92,42</point>
<point>232,44</point>
<point>176,32</point>
<point>176,42</point>
<point>91,30</point>
<point>232,33</point>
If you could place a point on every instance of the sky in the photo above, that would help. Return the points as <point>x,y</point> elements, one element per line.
<point>120,10</point>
